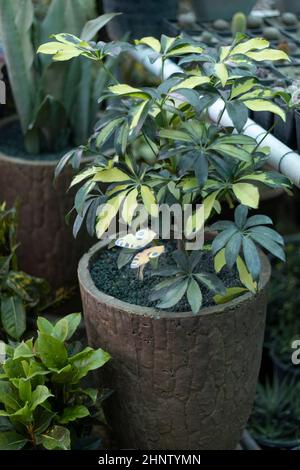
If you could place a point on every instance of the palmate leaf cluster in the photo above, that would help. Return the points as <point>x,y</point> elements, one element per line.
<point>192,160</point>
<point>41,391</point>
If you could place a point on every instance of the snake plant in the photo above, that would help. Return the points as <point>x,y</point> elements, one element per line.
<point>56,103</point>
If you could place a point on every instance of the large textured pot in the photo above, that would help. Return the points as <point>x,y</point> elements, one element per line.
<point>47,247</point>
<point>207,10</point>
<point>140,17</point>
<point>180,381</point>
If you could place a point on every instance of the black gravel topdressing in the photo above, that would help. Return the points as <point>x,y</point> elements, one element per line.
<point>124,285</point>
<point>12,144</point>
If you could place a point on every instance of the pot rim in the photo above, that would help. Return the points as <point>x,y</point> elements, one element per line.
<point>86,282</point>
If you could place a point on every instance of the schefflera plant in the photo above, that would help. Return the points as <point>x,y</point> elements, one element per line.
<point>193,161</point>
<point>42,394</point>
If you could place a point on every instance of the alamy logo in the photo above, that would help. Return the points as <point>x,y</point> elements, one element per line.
<point>296,353</point>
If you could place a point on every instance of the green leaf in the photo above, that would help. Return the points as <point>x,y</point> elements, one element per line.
<point>72,413</point>
<point>264,105</point>
<point>107,131</point>
<point>39,396</point>
<point>223,237</point>
<point>18,60</point>
<point>44,326</point>
<point>127,90</point>
<point>60,331</point>
<point>150,42</point>
<point>92,27</point>
<point>51,351</point>
<point>269,245</point>
<point>219,260</point>
<point>252,258</point>
<point>238,113</point>
<point>250,45</point>
<point>23,351</point>
<point>231,294</point>
<point>245,276</point>
<point>149,201</point>
<point>13,316</point>
<point>232,249</point>
<point>73,320</point>
<point>113,175</point>
<point>222,73</point>
<point>88,360</point>
<point>268,54</point>
<point>241,87</point>
<point>174,294</point>
<point>194,296</point>
<point>175,135</point>
<point>240,216</point>
<point>108,213</point>
<point>57,438</point>
<point>10,440</point>
<point>247,194</point>
<point>129,206</point>
<point>191,82</point>
<point>25,390</point>
<point>8,396</point>
<point>211,281</point>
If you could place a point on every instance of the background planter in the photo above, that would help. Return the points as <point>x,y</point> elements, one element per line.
<point>180,381</point>
<point>206,10</point>
<point>288,5</point>
<point>140,17</point>
<point>47,247</point>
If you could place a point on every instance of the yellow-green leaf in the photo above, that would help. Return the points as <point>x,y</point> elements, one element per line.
<point>219,260</point>
<point>251,45</point>
<point>191,82</point>
<point>129,206</point>
<point>122,90</point>
<point>187,49</point>
<point>195,222</point>
<point>149,201</point>
<point>247,194</point>
<point>222,73</point>
<point>244,275</point>
<point>264,105</point>
<point>113,175</point>
<point>209,202</point>
<point>108,212</point>
<point>240,88</point>
<point>150,42</point>
<point>231,294</point>
<point>139,110</point>
<point>60,51</point>
<point>268,54</point>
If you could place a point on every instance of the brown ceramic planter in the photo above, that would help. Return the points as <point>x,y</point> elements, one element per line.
<point>180,381</point>
<point>47,247</point>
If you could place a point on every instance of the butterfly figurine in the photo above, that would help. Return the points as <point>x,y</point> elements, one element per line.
<point>142,258</point>
<point>141,239</point>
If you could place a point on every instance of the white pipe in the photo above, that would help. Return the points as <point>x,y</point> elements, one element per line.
<point>282,158</point>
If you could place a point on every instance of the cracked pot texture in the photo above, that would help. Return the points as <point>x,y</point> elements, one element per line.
<point>47,247</point>
<point>180,381</point>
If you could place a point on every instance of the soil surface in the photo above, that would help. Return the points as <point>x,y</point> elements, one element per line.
<point>124,285</point>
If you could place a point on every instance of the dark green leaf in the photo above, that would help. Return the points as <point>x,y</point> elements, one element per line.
<point>252,258</point>
<point>13,316</point>
<point>194,296</point>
